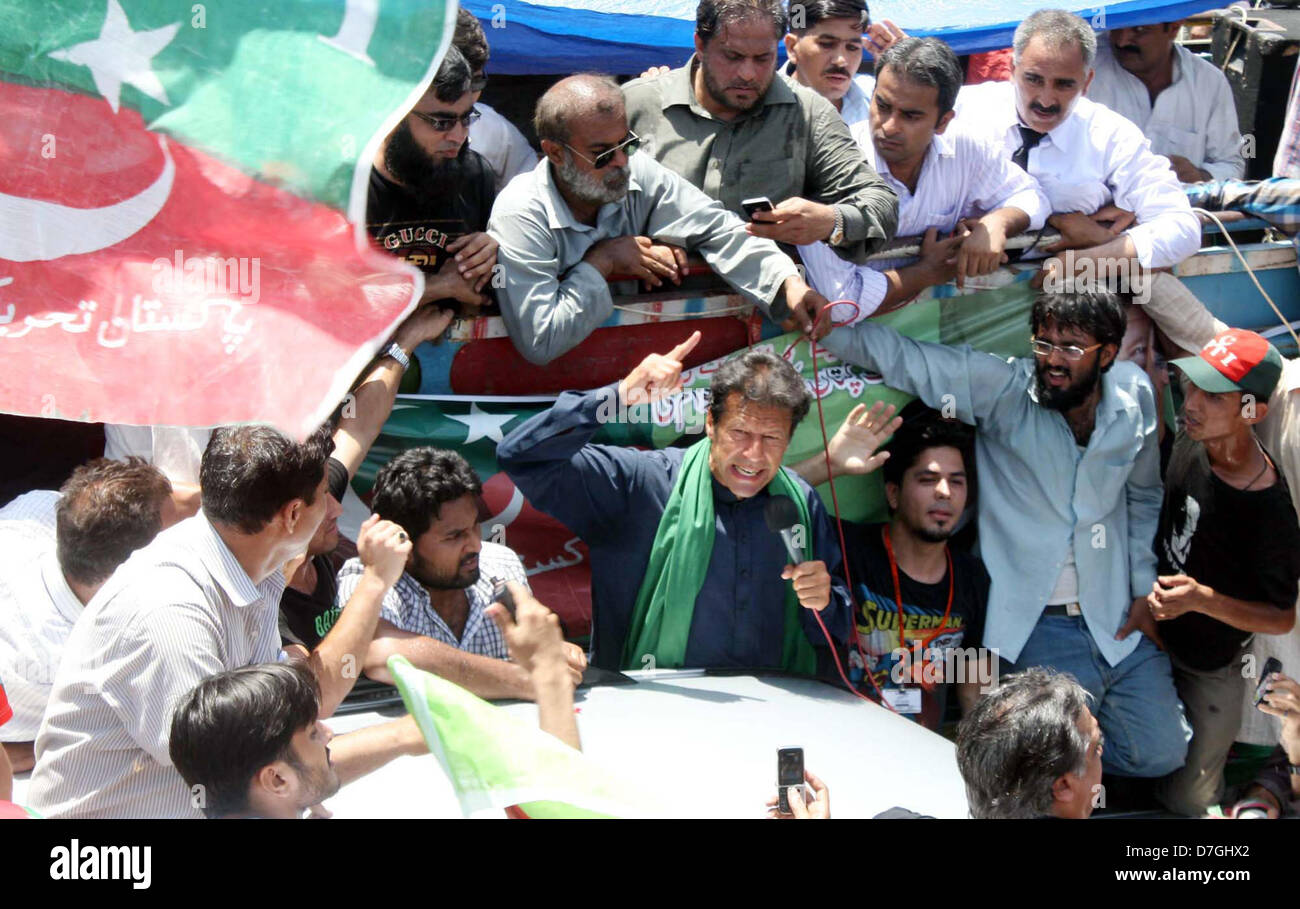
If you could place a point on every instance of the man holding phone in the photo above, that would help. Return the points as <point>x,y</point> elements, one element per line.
<point>1276,788</point>
<point>1228,546</point>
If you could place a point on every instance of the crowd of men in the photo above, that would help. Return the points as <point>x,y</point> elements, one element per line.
<point>178,619</point>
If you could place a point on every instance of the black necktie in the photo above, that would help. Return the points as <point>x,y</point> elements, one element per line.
<point>1029,138</point>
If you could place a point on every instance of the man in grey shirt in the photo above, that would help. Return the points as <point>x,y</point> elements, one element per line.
<point>592,208</point>
<point>725,123</point>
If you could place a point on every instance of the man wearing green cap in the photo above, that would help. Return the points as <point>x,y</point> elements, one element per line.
<point>1228,546</point>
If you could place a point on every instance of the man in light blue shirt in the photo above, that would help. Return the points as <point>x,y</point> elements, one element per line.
<point>1070,494</point>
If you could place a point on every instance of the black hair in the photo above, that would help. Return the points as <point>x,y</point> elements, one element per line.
<point>926,61</point>
<point>411,489</point>
<point>248,473</point>
<point>924,428</point>
<point>453,77</point>
<point>107,509</point>
<point>763,378</point>
<point>1095,312</point>
<point>804,14</point>
<point>470,40</point>
<point>711,16</point>
<point>235,723</point>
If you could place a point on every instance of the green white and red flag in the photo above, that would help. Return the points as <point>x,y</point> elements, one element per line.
<point>181,189</point>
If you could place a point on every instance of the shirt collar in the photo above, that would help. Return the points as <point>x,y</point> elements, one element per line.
<point>56,587</point>
<point>558,214</point>
<point>224,568</point>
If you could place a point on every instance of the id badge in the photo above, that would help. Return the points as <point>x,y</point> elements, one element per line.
<point>906,699</point>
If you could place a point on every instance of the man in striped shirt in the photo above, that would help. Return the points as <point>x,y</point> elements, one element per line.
<point>202,598</point>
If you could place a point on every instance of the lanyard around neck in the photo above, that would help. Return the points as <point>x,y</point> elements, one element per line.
<point>898,592</point>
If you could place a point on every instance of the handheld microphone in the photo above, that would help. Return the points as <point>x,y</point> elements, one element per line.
<point>782,516</point>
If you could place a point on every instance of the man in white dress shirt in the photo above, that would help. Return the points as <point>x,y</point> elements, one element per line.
<point>53,558</point>
<point>1181,102</point>
<point>825,45</point>
<point>950,182</point>
<point>1088,159</point>
<point>1118,206</point>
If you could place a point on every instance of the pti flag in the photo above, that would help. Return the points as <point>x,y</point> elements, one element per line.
<point>180,192</point>
<point>497,762</point>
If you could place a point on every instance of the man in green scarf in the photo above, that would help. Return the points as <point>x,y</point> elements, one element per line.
<point>684,571</point>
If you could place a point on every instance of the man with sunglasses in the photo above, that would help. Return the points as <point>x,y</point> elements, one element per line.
<point>593,209</point>
<point>431,194</point>
<point>1069,500</point>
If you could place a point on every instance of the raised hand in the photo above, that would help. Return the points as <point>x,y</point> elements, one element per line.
<point>853,448</point>
<point>383,548</point>
<point>658,375</point>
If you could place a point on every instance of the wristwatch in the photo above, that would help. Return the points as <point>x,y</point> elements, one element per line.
<point>837,232</point>
<point>402,357</point>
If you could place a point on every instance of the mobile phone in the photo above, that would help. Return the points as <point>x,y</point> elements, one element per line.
<point>501,594</point>
<point>789,774</point>
<point>759,203</point>
<point>1271,665</point>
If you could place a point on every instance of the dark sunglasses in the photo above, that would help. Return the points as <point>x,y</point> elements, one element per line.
<point>445,122</point>
<point>628,145</point>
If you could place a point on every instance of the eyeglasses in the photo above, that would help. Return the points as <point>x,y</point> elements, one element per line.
<point>446,122</point>
<point>1071,352</point>
<point>628,145</point>
<point>478,82</point>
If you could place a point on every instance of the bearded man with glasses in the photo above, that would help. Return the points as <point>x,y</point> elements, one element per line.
<point>1070,497</point>
<point>593,208</point>
<point>430,193</point>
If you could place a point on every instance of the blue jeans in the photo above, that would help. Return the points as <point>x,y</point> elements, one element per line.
<point>1135,702</point>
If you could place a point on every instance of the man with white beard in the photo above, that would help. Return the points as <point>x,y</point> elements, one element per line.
<point>593,208</point>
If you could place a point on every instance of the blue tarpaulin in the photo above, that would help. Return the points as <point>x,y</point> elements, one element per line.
<point>627,36</point>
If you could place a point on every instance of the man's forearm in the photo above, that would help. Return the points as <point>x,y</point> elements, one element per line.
<point>354,754</point>
<point>372,403</point>
<point>548,318</point>
<point>905,283</point>
<point>337,659</point>
<point>813,469</point>
<point>1010,221</point>
<point>487,677</point>
<point>1245,615</point>
<point>1121,247</point>
<point>555,702</point>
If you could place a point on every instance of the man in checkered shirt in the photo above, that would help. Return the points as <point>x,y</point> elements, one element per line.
<point>434,614</point>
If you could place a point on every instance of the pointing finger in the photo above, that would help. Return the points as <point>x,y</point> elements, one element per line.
<point>680,352</point>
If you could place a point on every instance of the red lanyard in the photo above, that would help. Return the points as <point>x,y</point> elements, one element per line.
<point>898,592</point>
